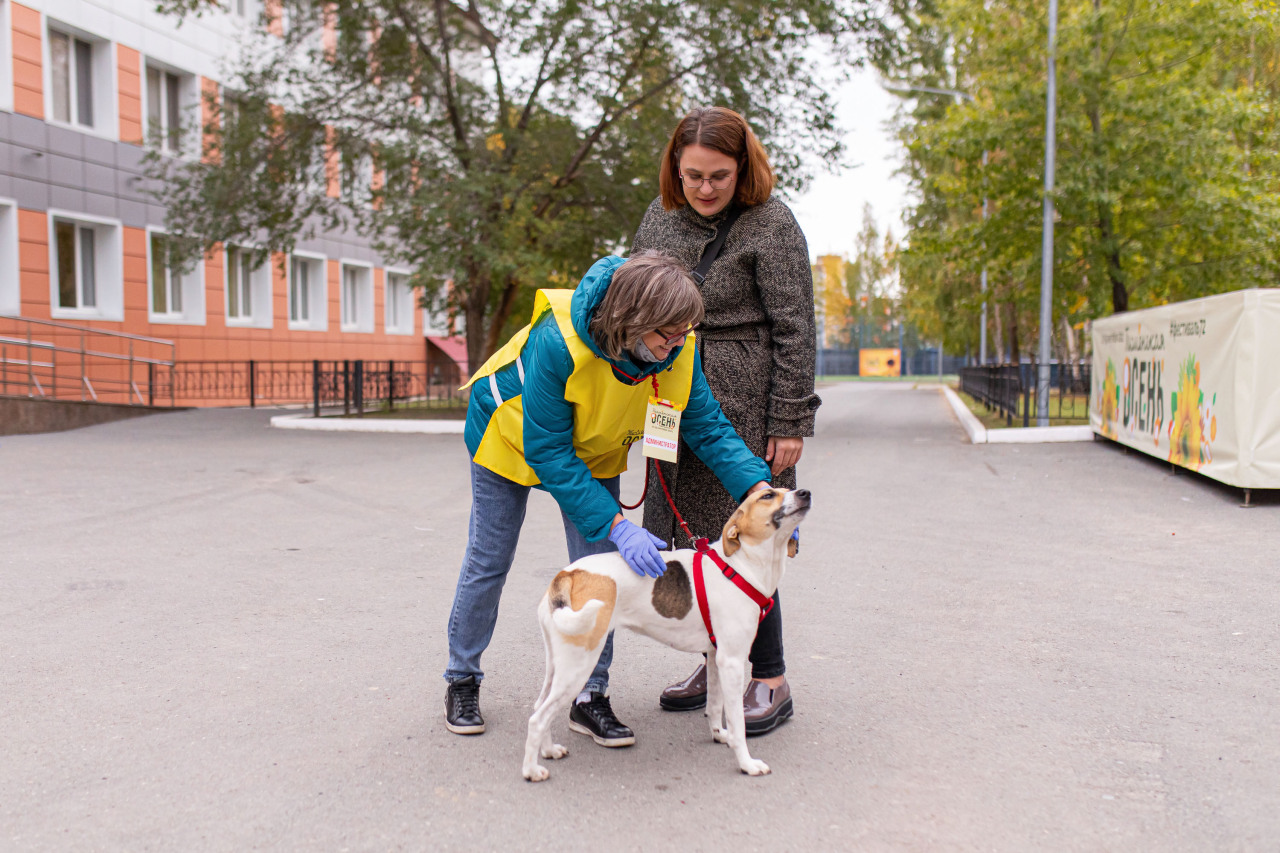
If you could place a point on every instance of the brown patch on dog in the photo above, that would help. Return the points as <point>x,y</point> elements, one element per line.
<point>672,595</point>
<point>574,589</point>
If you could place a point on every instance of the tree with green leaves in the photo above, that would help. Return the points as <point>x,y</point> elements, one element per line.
<point>1167,174</point>
<point>510,142</point>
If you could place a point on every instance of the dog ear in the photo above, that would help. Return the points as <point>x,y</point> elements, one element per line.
<point>729,538</point>
<point>793,547</point>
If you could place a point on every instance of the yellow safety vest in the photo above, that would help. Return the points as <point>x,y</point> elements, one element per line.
<point>608,415</point>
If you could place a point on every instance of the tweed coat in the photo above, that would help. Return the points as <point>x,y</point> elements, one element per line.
<point>758,345</point>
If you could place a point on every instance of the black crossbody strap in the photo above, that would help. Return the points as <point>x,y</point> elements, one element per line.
<point>713,250</point>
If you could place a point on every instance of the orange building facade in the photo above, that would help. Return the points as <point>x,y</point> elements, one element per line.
<point>86,90</point>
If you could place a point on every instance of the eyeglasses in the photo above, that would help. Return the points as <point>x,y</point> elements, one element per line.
<point>716,183</point>
<point>668,341</point>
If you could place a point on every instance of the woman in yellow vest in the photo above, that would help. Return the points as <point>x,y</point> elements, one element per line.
<point>558,408</point>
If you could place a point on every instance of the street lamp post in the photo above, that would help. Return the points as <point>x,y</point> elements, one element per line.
<point>960,98</point>
<point>1046,260</point>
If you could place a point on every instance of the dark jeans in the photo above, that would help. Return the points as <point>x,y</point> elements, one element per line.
<point>766,651</point>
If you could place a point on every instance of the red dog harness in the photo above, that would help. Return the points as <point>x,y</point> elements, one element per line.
<point>703,547</point>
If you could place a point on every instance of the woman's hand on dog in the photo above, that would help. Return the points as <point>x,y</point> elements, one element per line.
<point>639,548</point>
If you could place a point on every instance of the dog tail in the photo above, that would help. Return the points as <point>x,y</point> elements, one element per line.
<point>560,597</point>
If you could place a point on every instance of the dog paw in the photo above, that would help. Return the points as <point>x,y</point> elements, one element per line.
<point>755,767</point>
<point>555,751</point>
<point>719,735</point>
<point>536,773</point>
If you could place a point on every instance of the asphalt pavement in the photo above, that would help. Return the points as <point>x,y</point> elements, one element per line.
<point>215,635</point>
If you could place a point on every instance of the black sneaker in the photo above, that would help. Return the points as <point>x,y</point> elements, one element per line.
<point>462,707</point>
<point>596,718</point>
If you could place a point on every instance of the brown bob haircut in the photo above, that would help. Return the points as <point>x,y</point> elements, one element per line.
<point>722,130</point>
<point>650,291</point>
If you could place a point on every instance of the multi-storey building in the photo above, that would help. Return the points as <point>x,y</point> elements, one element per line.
<point>86,88</point>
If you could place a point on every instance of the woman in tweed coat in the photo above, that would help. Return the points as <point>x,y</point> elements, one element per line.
<point>758,350</point>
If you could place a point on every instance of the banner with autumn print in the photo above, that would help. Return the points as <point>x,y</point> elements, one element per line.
<point>1196,383</point>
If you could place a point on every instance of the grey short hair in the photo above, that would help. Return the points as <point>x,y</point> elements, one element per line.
<point>649,291</point>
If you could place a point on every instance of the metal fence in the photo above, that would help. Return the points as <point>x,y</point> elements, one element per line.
<point>56,361</point>
<point>354,384</point>
<point>1010,390</point>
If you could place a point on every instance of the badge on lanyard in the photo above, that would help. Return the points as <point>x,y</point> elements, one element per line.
<point>661,429</point>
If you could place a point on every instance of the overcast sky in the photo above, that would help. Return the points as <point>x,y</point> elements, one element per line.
<point>830,212</point>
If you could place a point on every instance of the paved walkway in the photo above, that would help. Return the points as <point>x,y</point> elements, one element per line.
<point>219,636</point>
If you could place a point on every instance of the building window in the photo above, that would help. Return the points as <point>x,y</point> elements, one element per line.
<point>10,292</point>
<point>356,298</point>
<point>248,288</point>
<point>166,279</point>
<point>77,265</point>
<point>167,93</point>
<point>87,268</point>
<point>176,294</point>
<point>399,304</point>
<point>71,79</point>
<point>308,302</point>
<point>300,291</point>
<point>240,270</point>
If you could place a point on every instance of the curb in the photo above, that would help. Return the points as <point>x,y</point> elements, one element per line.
<point>306,421</point>
<point>978,434</point>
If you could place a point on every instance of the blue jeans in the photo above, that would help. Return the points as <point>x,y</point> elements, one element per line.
<point>497,513</point>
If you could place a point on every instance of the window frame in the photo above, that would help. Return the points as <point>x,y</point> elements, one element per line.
<point>102,76</point>
<point>405,326</point>
<point>260,314</point>
<point>363,320</point>
<point>190,286</point>
<point>6,67</point>
<point>186,86</point>
<point>317,319</point>
<point>108,267</point>
<point>10,281</point>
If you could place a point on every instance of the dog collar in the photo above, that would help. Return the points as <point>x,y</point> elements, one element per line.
<point>703,547</point>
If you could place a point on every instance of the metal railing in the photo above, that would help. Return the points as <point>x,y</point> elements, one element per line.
<point>354,384</point>
<point>59,361</point>
<point>1010,390</point>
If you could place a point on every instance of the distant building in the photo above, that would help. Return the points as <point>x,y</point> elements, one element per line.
<point>85,89</point>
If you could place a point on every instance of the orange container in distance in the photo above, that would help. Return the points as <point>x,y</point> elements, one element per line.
<point>879,362</point>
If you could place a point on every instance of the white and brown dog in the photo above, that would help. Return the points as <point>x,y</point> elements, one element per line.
<point>601,592</point>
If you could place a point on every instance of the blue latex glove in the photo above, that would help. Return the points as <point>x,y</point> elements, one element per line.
<point>639,548</point>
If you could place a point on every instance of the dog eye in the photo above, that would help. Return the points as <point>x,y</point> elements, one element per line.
<point>768,496</point>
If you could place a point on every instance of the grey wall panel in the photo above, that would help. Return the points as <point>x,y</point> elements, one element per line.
<point>131,187</point>
<point>59,167</point>
<point>99,179</point>
<point>65,171</point>
<point>33,195</point>
<point>65,198</point>
<point>28,131</point>
<point>97,204</point>
<point>129,157</point>
<point>30,164</point>
<point>62,140</point>
<point>134,213</point>
<point>99,150</point>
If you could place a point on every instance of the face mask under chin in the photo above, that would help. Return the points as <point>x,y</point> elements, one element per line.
<point>642,354</point>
